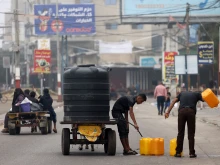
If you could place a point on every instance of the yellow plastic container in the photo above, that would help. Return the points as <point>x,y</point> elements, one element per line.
<point>173,144</point>
<point>145,146</point>
<point>210,98</point>
<point>157,146</point>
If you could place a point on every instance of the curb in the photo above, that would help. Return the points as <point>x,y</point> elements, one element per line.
<point>205,120</point>
<point>56,106</point>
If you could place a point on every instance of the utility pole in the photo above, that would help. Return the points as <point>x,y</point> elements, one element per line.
<point>17,47</point>
<point>187,43</point>
<point>58,58</point>
<point>27,41</point>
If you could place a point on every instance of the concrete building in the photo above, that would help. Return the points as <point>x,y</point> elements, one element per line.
<point>146,41</point>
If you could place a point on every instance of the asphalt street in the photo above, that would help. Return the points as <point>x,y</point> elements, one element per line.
<point>37,149</point>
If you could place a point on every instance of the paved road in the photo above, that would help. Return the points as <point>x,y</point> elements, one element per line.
<point>36,149</point>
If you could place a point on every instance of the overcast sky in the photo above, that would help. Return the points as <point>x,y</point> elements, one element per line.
<point>4,7</point>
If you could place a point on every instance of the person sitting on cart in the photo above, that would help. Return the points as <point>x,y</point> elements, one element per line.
<point>47,102</point>
<point>32,97</point>
<point>17,99</point>
<point>120,112</point>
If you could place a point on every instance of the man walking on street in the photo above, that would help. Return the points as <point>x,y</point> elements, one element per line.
<point>186,113</point>
<point>120,112</point>
<point>160,93</point>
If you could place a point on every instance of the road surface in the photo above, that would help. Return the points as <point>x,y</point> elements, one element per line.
<point>37,149</point>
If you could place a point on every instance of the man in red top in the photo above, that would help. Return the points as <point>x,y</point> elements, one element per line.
<point>160,93</point>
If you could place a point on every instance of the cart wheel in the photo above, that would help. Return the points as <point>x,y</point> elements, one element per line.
<point>65,141</point>
<point>17,130</point>
<point>49,125</point>
<point>111,142</point>
<point>43,130</point>
<point>106,138</point>
<point>12,131</point>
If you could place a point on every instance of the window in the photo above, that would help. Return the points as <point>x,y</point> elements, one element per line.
<point>85,1</point>
<point>111,26</point>
<point>157,42</point>
<point>137,26</point>
<point>110,2</point>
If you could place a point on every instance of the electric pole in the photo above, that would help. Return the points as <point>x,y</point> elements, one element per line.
<point>58,57</point>
<point>27,41</point>
<point>187,43</point>
<point>17,47</point>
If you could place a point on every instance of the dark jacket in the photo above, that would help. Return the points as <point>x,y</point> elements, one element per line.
<point>47,102</point>
<point>33,99</point>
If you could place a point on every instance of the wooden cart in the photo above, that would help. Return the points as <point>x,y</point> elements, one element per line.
<point>107,137</point>
<point>29,119</point>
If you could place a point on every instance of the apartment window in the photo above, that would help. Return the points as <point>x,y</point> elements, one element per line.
<point>157,42</point>
<point>111,26</point>
<point>85,1</point>
<point>110,2</point>
<point>137,26</point>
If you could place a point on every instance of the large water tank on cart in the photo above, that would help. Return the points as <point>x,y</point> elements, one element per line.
<point>86,93</point>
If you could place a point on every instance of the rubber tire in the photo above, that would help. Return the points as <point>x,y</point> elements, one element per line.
<point>106,138</point>
<point>49,126</point>
<point>65,141</point>
<point>12,131</point>
<point>111,143</point>
<point>43,130</point>
<point>17,130</point>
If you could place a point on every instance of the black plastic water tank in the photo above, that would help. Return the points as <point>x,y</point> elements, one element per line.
<point>86,93</point>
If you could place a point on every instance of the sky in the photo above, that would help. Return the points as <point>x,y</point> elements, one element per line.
<point>4,7</point>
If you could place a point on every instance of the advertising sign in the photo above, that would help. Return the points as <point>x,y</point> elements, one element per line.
<point>73,19</point>
<point>43,44</point>
<point>206,52</point>
<point>42,60</point>
<point>115,47</point>
<point>158,11</point>
<point>192,64</point>
<point>193,30</point>
<point>180,64</point>
<point>6,62</point>
<point>181,67</point>
<point>150,61</point>
<point>168,67</point>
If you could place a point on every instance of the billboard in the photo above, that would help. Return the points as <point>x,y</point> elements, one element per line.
<point>75,19</point>
<point>148,11</point>
<point>43,44</point>
<point>42,60</point>
<point>206,52</point>
<point>169,67</point>
<point>150,61</point>
<point>115,47</point>
<point>6,62</point>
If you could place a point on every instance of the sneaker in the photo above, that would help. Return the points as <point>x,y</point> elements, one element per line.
<point>192,156</point>
<point>5,130</point>
<point>177,155</point>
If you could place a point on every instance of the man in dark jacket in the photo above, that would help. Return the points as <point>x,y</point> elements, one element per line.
<point>186,113</point>
<point>47,102</point>
<point>32,97</point>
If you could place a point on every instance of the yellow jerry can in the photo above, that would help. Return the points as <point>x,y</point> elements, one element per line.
<point>157,146</point>
<point>210,98</point>
<point>173,144</point>
<point>145,146</point>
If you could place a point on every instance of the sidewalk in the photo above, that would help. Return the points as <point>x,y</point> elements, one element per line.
<point>206,115</point>
<point>2,116</point>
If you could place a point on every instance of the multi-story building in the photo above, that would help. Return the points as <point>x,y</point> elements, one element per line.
<point>146,41</point>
